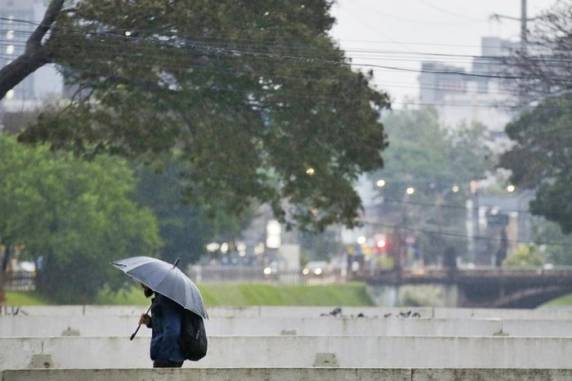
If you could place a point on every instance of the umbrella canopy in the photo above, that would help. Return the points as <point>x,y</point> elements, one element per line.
<point>165,279</point>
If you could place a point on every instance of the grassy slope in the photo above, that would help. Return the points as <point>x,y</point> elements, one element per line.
<point>24,299</point>
<point>351,294</point>
<point>565,300</point>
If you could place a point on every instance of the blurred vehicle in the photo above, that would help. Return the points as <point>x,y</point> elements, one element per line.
<point>315,269</point>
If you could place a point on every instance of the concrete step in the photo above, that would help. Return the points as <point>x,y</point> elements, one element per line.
<point>283,374</point>
<point>298,352</point>
<point>122,326</point>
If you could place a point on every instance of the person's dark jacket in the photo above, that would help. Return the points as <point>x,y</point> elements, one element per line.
<point>167,317</point>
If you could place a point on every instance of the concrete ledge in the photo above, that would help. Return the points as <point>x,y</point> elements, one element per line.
<point>296,312</point>
<point>283,374</point>
<point>122,326</point>
<point>297,352</point>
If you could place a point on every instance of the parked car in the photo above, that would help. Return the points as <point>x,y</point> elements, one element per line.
<point>315,269</point>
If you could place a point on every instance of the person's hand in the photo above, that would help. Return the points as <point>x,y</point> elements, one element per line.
<point>145,320</point>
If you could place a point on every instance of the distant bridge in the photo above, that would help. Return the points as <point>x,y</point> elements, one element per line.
<point>488,288</point>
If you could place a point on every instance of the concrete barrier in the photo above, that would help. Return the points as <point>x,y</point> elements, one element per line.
<point>298,352</point>
<point>90,326</point>
<point>282,374</point>
<point>296,312</point>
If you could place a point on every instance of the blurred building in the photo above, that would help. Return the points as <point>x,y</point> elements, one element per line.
<point>478,95</point>
<point>463,97</point>
<point>18,19</point>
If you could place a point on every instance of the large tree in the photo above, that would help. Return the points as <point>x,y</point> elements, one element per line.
<point>72,217</point>
<point>255,97</point>
<point>541,158</point>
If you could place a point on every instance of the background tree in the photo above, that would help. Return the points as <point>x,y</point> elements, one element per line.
<point>258,100</point>
<point>320,246</point>
<point>544,68</point>
<point>438,165</point>
<point>552,243</point>
<point>524,256</point>
<point>185,229</point>
<point>72,217</point>
<point>541,158</point>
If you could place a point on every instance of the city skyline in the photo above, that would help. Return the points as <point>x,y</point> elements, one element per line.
<point>412,31</point>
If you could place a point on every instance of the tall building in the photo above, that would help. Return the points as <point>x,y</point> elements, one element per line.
<point>474,96</point>
<point>18,19</point>
<point>438,80</point>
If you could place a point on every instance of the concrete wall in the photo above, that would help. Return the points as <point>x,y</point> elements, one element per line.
<point>298,352</point>
<point>282,312</point>
<point>321,374</point>
<point>107,325</point>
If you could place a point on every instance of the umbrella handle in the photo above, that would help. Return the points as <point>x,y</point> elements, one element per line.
<point>135,333</point>
<point>138,327</point>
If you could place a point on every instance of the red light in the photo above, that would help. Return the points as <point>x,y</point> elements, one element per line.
<point>381,244</point>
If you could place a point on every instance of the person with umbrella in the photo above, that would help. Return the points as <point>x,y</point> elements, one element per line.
<point>174,295</point>
<point>165,323</point>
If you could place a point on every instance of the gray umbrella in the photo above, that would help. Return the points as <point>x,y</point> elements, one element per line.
<point>166,279</point>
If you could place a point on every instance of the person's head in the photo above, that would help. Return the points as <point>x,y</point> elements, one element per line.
<point>147,291</point>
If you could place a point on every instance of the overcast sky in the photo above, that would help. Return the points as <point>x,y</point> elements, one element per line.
<point>394,33</point>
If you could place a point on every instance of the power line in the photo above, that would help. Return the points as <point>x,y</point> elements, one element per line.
<point>446,206</point>
<point>231,52</point>
<point>463,236</point>
<point>449,12</point>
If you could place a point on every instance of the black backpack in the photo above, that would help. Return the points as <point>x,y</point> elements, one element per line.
<point>193,336</point>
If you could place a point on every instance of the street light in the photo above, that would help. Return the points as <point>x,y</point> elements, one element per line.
<point>310,171</point>
<point>511,188</point>
<point>380,183</point>
<point>455,189</point>
<point>410,191</point>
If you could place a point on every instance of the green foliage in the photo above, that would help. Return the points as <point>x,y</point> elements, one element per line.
<point>73,216</point>
<point>185,229</point>
<point>554,244</point>
<point>251,95</point>
<point>423,155</point>
<point>25,299</point>
<point>524,256</point>
<point>541,158</point>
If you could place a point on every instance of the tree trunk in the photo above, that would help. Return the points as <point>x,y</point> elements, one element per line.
<point>3,274</point>
<point>35,56</point>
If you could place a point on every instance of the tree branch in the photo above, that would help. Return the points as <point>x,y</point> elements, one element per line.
<point>35,55</point>
<point>35,40</point>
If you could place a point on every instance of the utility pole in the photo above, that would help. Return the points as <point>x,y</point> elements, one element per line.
<point>523,25</point>
<point>524,19</point>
